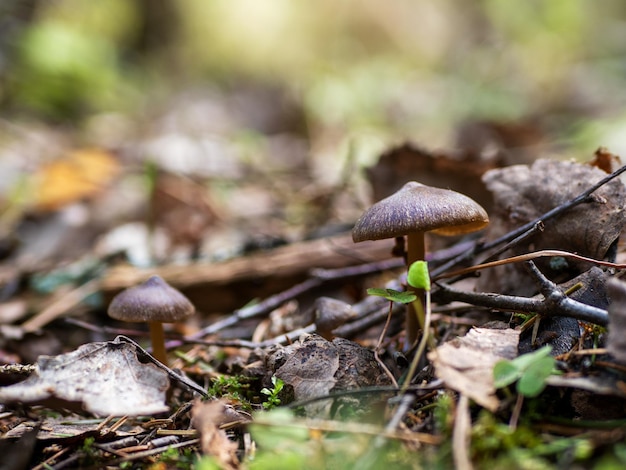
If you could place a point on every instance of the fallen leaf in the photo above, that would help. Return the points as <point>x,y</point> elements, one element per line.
<point>82,173</point>
<point>605,160</point>
<point>104,378</point>
<point>17,455</point>
<point>523,193</point>
<point>466,364</point>
<point>408,162</point>
<point>206,417</point>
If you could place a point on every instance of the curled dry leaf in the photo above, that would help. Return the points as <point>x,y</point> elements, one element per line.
<point>103,378</point>
<point>206,418</point>
<point>466,364</point>
<point>522,193</point>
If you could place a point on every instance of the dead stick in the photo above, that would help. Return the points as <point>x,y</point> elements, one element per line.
<point>554,303</point>
<point>528,257</point>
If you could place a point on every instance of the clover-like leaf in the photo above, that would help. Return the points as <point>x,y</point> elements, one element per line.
<point>533,380</point>
<point>393,295</point>
<point>505,373</point>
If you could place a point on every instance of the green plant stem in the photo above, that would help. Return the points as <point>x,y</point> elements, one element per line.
<point>415,251</point>
<point>426,313</point>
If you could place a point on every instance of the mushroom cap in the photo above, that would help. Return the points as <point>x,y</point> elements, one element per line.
<point>153,300</point>
<point>419,208</point>
<point>331,313</point>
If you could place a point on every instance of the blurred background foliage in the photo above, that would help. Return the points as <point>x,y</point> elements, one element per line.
<point>381,71</point>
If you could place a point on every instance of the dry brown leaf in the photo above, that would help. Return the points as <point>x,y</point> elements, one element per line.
<point>206,417</point>
<point>522,193</point>
<point>94,376</point>
<point>80,174</point>
<point>408,162</point>
<point>466,364</point>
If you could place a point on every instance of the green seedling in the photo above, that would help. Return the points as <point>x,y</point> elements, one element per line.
<point>419,278</point>
<point>272,395</point>
<point>230,386</point>
<point>530,371</point>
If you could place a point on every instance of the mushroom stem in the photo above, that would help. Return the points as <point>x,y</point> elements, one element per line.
<point>415,251</point>
<point>157,337</point>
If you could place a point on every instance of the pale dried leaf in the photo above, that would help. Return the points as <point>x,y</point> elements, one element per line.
<point>206,418</point>
<point>104,378</point>
<point>466,364</point>
<point>461,435</point>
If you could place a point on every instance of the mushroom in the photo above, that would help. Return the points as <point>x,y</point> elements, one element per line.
<point>156,302</point>
<point>413,210</point>
<point>330,314</point>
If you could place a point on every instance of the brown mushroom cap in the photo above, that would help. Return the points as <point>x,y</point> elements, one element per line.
<point>419,208</point>
<point>152,301</point>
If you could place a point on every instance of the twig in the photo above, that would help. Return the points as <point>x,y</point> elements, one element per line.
<point>320,276</point>
<point>61,306</point>
<point>554,304</point>
<point>174,375</point>
<point>155,451</point>
<point>528,257</point>
<point>383,334</point>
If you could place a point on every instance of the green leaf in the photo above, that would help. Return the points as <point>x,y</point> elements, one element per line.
<point>505,373</point>
<point>524,361</point>
<point>418,276</point>
<point>533,380</point>
<point>393,295</point>
<point>530,370</point>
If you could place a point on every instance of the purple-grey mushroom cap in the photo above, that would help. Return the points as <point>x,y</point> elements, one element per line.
<point>152,301</point>
<point>419,208</point>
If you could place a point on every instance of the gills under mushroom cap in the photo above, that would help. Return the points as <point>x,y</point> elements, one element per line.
<point>419,208</point>
<point>152,301</point>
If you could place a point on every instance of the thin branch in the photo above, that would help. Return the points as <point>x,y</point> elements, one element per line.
<point>528,257</point>
<point>555,303</point>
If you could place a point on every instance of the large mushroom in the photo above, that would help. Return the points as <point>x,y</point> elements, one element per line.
<point>412,211</point>
<point>154,302</point>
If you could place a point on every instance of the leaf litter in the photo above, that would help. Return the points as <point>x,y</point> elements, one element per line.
<point>108,379</point>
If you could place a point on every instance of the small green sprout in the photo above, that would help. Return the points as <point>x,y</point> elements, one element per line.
<point>419,278</point>
<point>272,395</point>
<point>231,386</point>
<point>530,371</point>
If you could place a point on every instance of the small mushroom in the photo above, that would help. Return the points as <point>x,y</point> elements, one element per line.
<point>330,314</point>
<point>413,210</point>
<point>154,302</point>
